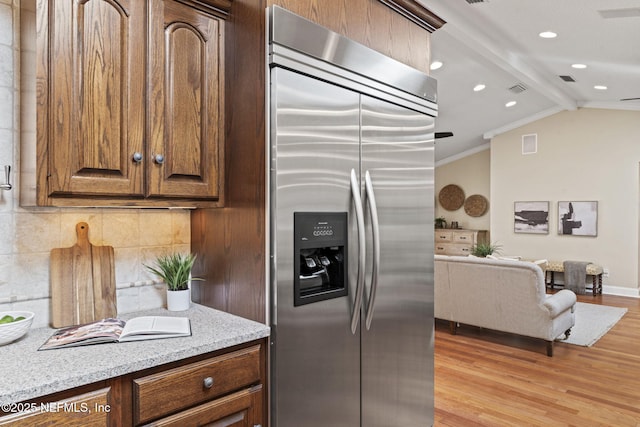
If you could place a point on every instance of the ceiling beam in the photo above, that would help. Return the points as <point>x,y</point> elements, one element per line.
<point>472,30</point>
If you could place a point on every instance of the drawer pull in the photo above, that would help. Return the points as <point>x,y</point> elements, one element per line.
<point>208,382</point>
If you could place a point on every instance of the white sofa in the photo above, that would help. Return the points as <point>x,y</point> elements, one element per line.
<point>503,295</point>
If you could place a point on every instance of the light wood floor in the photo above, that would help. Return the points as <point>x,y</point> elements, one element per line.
<point>486,378</point>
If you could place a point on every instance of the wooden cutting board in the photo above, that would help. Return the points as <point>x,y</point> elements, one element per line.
<point>83,282</point>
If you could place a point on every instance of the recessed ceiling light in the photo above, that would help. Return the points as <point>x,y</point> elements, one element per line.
<point>478,87</point>
<point>435,65</point>
<point>548,35</point>
<point>579,66</point>
<point>510,104</point>
<point>600,87</point>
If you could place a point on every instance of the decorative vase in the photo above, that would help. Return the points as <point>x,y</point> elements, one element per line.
<point>178,300</point>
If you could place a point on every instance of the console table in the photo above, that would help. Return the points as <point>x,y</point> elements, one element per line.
<point>458,241</point>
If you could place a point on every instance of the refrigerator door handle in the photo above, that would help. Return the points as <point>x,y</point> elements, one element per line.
<point>370,201</point>
<point>357,304</point>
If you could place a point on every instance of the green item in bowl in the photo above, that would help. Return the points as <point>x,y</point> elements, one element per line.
<point>14,325</point>
<point>7,319</point>
<point>10,319</point>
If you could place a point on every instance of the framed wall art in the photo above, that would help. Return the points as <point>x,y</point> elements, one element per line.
<point>578,218</point>
<point>531,217</point>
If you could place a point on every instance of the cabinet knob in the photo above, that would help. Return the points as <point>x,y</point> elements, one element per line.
<point>208,382</point>
<point>159,159</point>
<point>137,157</point>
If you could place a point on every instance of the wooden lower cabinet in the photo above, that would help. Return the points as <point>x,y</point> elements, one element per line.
<point>167,392</point>
<point>224,388</point>
<point>86,409</point>
<point>241,409</point>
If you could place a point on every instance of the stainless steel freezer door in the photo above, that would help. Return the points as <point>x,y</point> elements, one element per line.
<point>397,350</point>
<point>314,146</point>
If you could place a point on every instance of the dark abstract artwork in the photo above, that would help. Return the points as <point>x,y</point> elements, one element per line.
<point>578,218</point>
<point>531,217</point>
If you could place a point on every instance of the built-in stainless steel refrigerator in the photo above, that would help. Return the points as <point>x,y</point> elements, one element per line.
<point>351,177</point>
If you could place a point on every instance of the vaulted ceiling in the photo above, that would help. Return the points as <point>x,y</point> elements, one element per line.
<point>496,43</point>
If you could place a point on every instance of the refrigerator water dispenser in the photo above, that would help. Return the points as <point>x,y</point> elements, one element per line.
<point>320,256</point>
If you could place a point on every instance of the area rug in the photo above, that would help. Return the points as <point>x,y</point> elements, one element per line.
<point>592,322</point>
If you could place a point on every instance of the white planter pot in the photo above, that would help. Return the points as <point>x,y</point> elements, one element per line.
<point>178,300</point>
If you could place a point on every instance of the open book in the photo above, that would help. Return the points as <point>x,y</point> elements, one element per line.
<point>117,330</point>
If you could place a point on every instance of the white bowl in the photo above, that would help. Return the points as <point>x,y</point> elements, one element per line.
<point>10,332</point>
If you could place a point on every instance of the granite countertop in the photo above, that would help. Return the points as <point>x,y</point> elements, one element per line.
<point>26,373</point>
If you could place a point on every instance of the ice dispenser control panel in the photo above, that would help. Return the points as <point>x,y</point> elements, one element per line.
<point>320,256</point>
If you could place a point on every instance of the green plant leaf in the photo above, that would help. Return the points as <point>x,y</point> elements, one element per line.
<point>484,249</point>
<point>174,270</point>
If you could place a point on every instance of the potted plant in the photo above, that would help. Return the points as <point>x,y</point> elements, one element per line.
<point>484,249</point>
<point>175,270</point>
<point>440,222</point>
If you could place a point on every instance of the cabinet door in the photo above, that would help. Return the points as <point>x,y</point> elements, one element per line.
<point>92,121</point>
<point>88,409</point>
<point>185,101</point>
<point>241,409</point>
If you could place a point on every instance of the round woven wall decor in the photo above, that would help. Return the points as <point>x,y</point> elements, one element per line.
<point>451,197</point>
<point>476,205</point>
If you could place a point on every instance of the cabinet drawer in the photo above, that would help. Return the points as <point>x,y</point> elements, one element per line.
<point>169,391</point>
<point>441,248</point>
<point>459,249</point>
<point>464,237</point>
<point>242,408</point>
<point>443,236</point>
<point>452,249</point>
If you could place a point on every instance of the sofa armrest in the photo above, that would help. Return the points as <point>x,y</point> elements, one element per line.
<point>560,301</point>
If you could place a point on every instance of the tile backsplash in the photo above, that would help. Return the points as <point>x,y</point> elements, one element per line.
<point>27,235</point>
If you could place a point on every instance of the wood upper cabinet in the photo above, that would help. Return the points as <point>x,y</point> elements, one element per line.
<point>185,101</point>
<point>95,111</point>
<point>130,103</point>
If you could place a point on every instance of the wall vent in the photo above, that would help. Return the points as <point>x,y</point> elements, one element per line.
<point>530,143</point>
<point>567,78</point>
<point>519,88</point>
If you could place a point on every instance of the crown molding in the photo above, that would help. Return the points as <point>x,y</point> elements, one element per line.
<point>417,13</point>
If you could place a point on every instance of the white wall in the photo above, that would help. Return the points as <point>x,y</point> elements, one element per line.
<point>27,235</point>
<point>470,173</point>
<point>583,155</point>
